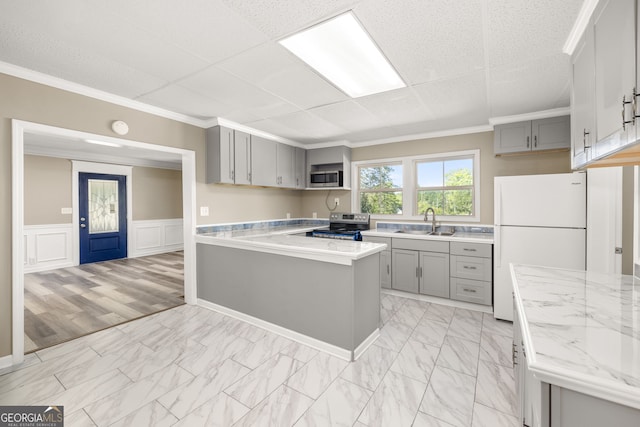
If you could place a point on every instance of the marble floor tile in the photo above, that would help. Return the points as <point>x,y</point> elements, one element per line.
<point>488,417</point>
<point>142,328</point>
<point>164,338</point>
<point>221,411</point>
<point>36,372</point>
<point>77,397</point>
<point>113,343</point>
<point>410,302</point>
<point>440,313</point>
<point>32,392</point>
<point>315,376</point>
<point>460,355</point>
<point>202,388</point>
<point>158,360</point>
<point>465,327</point>
<point>430,332</point>
<point>425,420</point>
<point>496,387</point>
<point>244,330</point>
<point>281,408</point>
<point>496,326</point>
<point>201,360</point>
<point>263,380</point>
<point>410,314</point>
<point>62,349</point>
<point>395,402</point>
<point>94,368</point>
<point>416,360</point>
<point>392,302</point>
<point>29,360</point>
<point>133,397</point>
<point>385,316</point>
<point>469,314</point>
<point>299,352</point>
<point>150,415</point>
<point>496,349</point>
<point>449,397</point>
<point>255,354</point>
<point>370,368</point>
<point>393,335</point>
<point>78,419</point>
<point>339,406</point>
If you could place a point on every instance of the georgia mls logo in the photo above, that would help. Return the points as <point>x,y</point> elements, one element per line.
<point>31,416</point>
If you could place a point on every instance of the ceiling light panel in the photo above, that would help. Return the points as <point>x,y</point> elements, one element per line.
<point>342,51</point>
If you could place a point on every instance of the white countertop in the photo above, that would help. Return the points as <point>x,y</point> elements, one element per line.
<point>581,330</point>
<point>283,241</point>
<point>457,237</point>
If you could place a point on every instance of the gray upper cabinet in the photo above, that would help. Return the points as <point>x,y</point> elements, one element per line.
<point>263,161</point>
<point>285,165</point>
<point>301,168</point>
<point>228,156</point>
<point>583,115</point>
<point>537,135</point>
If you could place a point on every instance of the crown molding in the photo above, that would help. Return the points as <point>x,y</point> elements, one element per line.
<point>242,128</point>
<point>545,114</point>
<point>425,135</point>
<point>579,26</point>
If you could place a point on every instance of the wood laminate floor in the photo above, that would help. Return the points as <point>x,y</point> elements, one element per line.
<point>63,304</point>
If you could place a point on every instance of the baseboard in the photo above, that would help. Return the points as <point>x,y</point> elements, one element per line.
<point>163,250</point>
<point>39,268</point>
<point>441,301</point>
<point>359,351</point>
<point>276,329</point>
<point>6,361</point>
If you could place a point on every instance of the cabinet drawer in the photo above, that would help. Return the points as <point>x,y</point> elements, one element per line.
<point>471,249</point>
<point>466,267</point>
<point>376,239</point>
<point>421,245</point>
<point>475,291</point>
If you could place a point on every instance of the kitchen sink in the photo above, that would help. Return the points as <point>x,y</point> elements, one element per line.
<point>426,233</point>
<point>442,233</point>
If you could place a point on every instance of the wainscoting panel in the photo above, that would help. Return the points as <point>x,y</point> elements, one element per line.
<point>47,247</point>
<point>156,236</point>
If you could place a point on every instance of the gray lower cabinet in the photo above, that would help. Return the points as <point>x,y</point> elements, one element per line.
<point>421,266</point>
<point>434,274</point>
<point>471,273</point>
<point>405,270</point>
<point>385,259</point>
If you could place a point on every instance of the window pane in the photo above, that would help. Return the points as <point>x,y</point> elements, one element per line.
<point>387,203</point>
<point>103,206</point>
<point>430,174</point>
<point>387,176</point>
<point>430,199</point>
<point>458,172</point>
<point>458,202</point>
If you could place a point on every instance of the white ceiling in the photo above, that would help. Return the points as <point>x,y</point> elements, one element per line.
<point>464,61</point>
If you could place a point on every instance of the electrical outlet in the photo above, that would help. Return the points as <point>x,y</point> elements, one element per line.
<point>337,201</point>
<point>66,211</point>
<point>204,210</point>
<point>288,215</point>
<point>315,214</point>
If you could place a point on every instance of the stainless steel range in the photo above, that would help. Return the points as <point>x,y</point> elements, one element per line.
<point>343,226</point>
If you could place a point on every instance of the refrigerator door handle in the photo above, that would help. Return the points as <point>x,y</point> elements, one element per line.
<point>497,246</point>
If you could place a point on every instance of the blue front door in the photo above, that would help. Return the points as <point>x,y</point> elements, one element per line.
<point>103,217</point>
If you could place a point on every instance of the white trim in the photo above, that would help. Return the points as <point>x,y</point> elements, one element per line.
<point>80,166</point>
<point>412,137</point>
<point>159,229</point>
<point>276,329</point>
<point>555,112</point>
<point>442,301</point>
<point>63,249</point>
<point>19,127</point>
<point>408,185</point>
<point>243,128</point>
<point>6,361</point>
<point>364,345</point>
<point>579,26</point>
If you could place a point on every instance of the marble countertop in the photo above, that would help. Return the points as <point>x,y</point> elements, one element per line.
<point>581,330</point>
<point>464,237</point>
<point>283,241</point>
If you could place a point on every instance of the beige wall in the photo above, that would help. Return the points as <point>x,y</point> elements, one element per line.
<point>38,103</point>
<point>490,166</point>
<point>47,189</point>
<point>156,193</point>
<point>628,187</point>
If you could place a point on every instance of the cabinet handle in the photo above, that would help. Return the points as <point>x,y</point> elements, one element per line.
<point>535,140</point>
<point>513,353</point>
<point>584,140</point>
<point>388,269</point>
<point>468,250</point>
<point>625,122</point>
<point>468,267</point>
<point>527,142</point>
<point>473,291</point>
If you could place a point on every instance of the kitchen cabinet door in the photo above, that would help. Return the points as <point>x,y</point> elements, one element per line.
<point>615,73</point>
<point>551,134</point>
<point>385,269</point>
<point>583,81</point>
<point>301,168</point>
<point>405,270</point>
<point>285,165</point>
<point>263,162</point>
<point>512,138</point>
<point>434,274</point>
<point>242,156</point>
<point>220,155</point>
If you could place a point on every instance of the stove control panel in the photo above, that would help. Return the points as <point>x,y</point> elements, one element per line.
<point>353,218</point>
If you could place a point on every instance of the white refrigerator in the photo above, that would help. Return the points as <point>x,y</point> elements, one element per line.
<point>539,220</point>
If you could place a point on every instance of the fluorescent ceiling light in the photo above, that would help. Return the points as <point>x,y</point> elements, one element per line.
<point>342,51</point>
<point>108,144</point>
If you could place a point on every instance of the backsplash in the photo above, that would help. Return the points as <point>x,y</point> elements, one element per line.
<point>262,225</point>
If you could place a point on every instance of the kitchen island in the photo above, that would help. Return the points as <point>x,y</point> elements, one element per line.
<point>576,347</point>
<point>324,293</point>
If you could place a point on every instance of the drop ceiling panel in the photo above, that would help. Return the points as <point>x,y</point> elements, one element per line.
<point>349,115</point>
<point>426,40</point>
<point>396,107</point>
<point>275,70</point>
<point>546,80</point>
<point>313,126</point>
<point>186,101</point>
<point>372,134</point>
<point>223,87</point>
<point>279,18</point>
<point>522,30</point>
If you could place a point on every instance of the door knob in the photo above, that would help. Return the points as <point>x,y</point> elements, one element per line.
<point>83,225</point>
<point>83,219</point>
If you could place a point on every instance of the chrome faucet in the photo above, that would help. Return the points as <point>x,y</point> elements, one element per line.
<point>433,221</point>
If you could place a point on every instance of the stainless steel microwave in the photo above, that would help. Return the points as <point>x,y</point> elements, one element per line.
<point>326,179</point>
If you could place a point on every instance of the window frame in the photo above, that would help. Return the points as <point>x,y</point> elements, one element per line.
<point>410,185</point>
<point>380,190</point>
